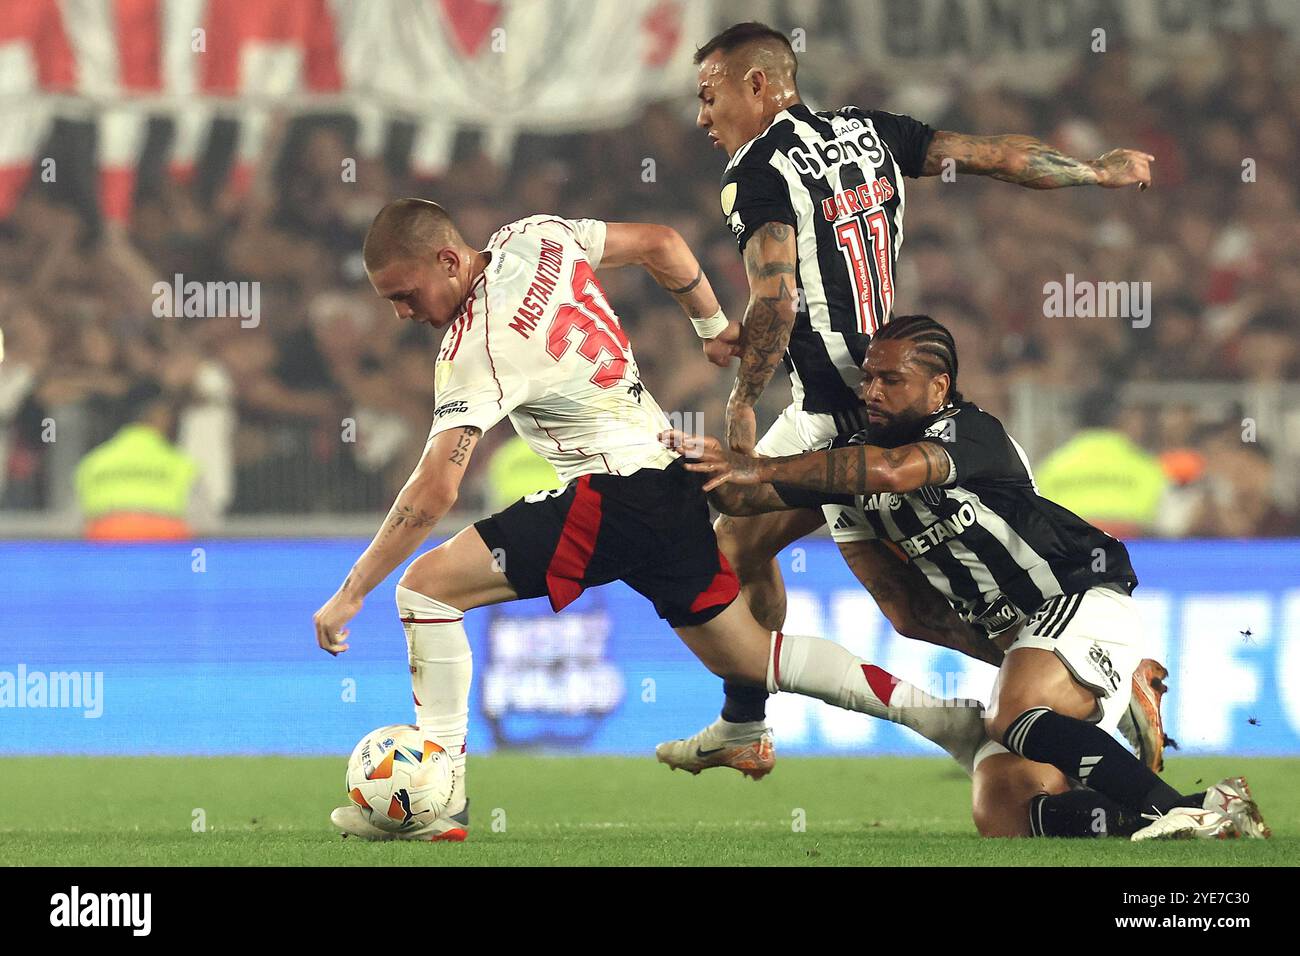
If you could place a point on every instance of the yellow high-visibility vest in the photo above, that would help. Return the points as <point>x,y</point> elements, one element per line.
<point>1101,475</point>
<point>136,471</point>
<point>516,470</point>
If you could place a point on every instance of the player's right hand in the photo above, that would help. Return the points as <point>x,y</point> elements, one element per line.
<point>331,622</point>
<point>742,427</point>
<point>707,456</point>
<point>721,349</point>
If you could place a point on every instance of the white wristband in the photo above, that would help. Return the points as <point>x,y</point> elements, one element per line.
<point>710,326</point>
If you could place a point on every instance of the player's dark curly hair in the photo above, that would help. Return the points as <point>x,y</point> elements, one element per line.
<point>933,343</point>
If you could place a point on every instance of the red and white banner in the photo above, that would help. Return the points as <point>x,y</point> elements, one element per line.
<point>36,58</point>
<point>500,66</point>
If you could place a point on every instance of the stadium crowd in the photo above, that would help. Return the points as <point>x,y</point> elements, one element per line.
<point>322,404</point>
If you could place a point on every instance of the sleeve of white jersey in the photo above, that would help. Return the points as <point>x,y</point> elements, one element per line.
<point>590,234</point>
<point>475,387</point>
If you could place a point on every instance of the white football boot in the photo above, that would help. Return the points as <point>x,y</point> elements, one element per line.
<point>744,747</point>
<point>445,828</point>
<point>1189,823</point>
<point>1233,799</point>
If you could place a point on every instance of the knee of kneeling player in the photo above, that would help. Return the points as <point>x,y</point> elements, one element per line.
<point>995,820</point>
<point>1001,791</point>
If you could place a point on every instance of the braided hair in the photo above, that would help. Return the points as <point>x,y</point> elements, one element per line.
<point>932,343</point>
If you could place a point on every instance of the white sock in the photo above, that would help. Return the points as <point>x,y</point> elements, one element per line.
<point>441,671</point>
<point>819,668</point>
<point>823,669</point>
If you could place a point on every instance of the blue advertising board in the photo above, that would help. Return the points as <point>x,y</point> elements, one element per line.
<point>209,649</point>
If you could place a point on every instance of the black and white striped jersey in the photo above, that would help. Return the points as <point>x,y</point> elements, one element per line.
<point>837,178</point>
<point>986,540</point>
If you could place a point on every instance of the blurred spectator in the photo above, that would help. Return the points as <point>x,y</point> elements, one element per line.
<point>1236,494</point>
<point>1102,474</point>
<point>137,485</point>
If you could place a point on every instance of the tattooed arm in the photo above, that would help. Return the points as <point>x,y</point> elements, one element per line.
<point>860,469</point>
<point>855,469</point>
<point>770,257</point>
<point>912,604</point>
<point>1029,162</point>
<point>426,497</point>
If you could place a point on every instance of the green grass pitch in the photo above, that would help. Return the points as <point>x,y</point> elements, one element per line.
<point>76,811</point>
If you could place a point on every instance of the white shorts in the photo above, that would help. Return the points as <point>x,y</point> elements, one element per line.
<point>1099,636</point>
<point>796,431</point>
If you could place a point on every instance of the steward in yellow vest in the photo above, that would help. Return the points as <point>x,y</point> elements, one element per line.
<point>136,486</point>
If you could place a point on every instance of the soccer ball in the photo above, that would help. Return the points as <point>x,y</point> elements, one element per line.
<point>400,777</point>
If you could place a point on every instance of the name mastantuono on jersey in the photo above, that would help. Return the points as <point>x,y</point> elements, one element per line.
<point>837,178</point>
<point>986,539</point>
<point>538,341</point>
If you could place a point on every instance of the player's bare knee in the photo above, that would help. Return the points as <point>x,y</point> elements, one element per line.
<point>987,818</point>
<point>1000,812</point>
<point>1002,789</point>
<point>421,573</point>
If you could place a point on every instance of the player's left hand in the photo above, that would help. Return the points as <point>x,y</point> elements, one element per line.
<point>331,622</point>
<point>707,456</point>
<point>1123,167</point>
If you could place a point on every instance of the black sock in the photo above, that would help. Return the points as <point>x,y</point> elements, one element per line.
<point>1082,813</point>
<point>1086,753</point>
<point>744,703</point>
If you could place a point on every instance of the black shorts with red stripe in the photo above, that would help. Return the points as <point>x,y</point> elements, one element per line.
<point>650,529</point>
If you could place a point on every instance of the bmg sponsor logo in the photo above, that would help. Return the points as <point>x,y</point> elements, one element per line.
<point>857,143</point>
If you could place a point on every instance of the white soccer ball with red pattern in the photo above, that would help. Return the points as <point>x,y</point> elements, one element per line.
<point>400,777</point>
